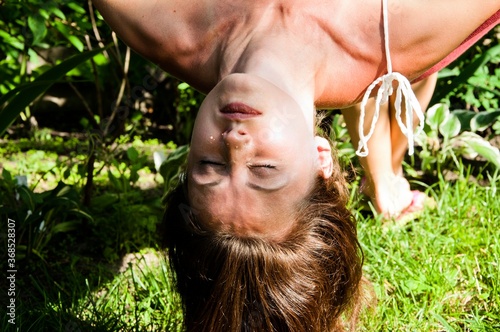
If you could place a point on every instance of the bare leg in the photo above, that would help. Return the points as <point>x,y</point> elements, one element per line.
<point>382,184</point>
<point>423,90</point>
<point>386,186</point>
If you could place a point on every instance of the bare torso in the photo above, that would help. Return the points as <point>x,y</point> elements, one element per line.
<point>339,43</point>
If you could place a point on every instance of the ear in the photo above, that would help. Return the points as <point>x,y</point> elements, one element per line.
<point>324,157</point>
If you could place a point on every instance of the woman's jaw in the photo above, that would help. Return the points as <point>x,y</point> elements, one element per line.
<point>253,159</point>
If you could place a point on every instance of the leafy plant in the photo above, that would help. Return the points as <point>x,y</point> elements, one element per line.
<point>173,167</point>
<point>30,31</point>
<point>128,173</point>
<point>187,103</point>
<point>450,135</point>
<point>39,216</point>
<point>19,98</point>
<point>124,222</point>
<point>343,145</point>
<point>474,78</point>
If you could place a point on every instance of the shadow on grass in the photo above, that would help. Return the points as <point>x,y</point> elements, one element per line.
<point>84,279</point>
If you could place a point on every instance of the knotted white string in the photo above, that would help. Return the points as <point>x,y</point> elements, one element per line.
<point>384,92</point>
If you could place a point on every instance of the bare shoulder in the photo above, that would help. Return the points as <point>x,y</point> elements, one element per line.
<point>167,32</point>
<point>134,18</point>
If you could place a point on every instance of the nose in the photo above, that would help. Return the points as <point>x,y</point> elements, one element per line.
<point>237,143</point>
<point>236,138</point>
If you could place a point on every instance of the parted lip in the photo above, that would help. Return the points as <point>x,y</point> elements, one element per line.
<point>238,110</point>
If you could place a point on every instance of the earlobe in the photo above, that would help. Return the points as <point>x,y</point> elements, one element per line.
<point>324,157</point>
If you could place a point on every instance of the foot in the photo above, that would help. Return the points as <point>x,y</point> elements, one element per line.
<point>391,196</point>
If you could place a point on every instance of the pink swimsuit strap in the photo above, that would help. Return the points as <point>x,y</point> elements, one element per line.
<point>468,42</point>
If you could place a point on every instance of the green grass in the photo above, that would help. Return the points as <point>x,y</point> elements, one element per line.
<point>137,298</point>
<point>440,272</point>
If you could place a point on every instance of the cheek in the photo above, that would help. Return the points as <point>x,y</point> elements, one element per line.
<point>204,126</point>
<point>204,138</point>
<point>198,201</point>
<point>271,132</point>
<point>268,136</point>
<point>207,208</point>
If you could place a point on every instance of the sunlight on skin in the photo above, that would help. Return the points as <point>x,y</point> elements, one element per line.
<point>240,163</point>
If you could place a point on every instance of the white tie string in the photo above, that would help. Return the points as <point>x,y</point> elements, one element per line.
<point>384,92</point>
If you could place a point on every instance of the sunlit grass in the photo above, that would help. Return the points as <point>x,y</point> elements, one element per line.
<point>440,272</point>
<point>437,273</point>
<point>140,297</point>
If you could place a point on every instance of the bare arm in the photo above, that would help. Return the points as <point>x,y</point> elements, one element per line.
<point>171,33</point>
<point>425,31</point>
<point>144,25</point>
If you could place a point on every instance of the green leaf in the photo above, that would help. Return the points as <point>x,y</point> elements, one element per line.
<point>77,8</point>
<point>482,121</point>
<point>468,72</point>
<point>172,166</point>
<point>6,175</point>
<point>11,40</point>
<point>36,23</point>
<point>443,322</point>
<point>44,13</point>
<point>65,227</point>
<point>64,190</point>
<point>132,154</point>
<point>52,8</point>
<point>114,181</point>
<point>447,72</point>
<point>100,60</point>
<point>27,197</point>
<point>104,201</point>
<point>464,116</point>
<point>183,86</point>
<point>22,99</point>
<point>76,42</point>
<point>485,149</point>
<point>57,12</point>
<point>450,127</point>
<point>65,31</point>
<point>134,176</point>
<point>82,214</point>
<point>436,115</point>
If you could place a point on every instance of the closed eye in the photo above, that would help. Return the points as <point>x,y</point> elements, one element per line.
<point>211,162</point>
<point>263,170</point>
<point>263,165</point>
<point>207,166</point>
<point>216,163</point>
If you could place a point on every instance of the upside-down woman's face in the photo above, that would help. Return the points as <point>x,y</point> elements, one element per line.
<point>253,158</point>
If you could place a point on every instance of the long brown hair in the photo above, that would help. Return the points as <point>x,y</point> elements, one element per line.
<point>303,283</point>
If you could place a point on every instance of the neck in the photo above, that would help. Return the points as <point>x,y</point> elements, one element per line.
<point>277,66</point>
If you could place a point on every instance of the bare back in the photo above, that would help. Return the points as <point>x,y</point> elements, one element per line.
<point>342,40</point>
